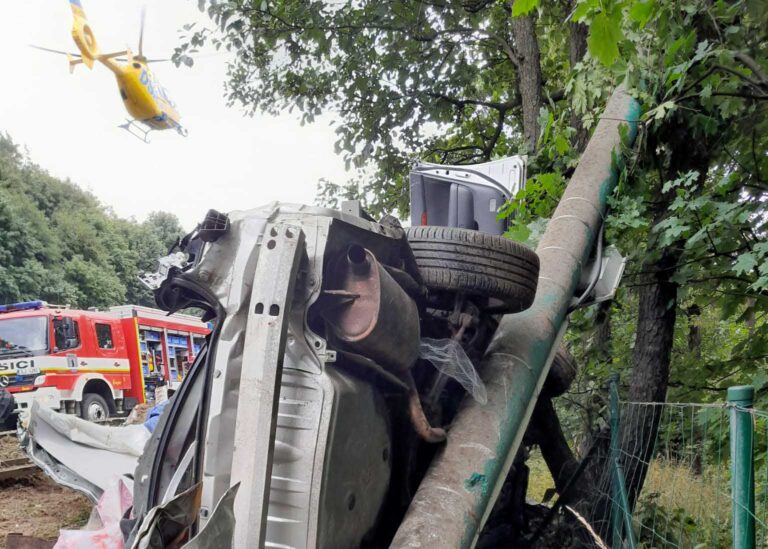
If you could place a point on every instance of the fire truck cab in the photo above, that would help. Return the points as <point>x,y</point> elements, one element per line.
<point>93,363</point>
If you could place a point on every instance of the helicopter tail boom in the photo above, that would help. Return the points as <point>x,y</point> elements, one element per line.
<point>83,36</point>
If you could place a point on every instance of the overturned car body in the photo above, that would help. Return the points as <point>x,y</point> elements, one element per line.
<point>311,396</point>
<point>341,351</point>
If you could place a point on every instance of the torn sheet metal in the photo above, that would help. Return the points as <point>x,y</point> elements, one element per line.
<point>89,465</point>
<point>219,531</point>
<point>128,439</point>
<point>167,525</point>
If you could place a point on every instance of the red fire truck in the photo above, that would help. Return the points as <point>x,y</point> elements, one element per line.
<point>93,363</point>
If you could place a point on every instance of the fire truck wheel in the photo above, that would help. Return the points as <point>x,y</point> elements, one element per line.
<point>7,404</point>
<point>94,407</point>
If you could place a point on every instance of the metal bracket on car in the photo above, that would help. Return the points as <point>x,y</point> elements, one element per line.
<point>607,277</point>
<point>265,336</point>
<point>353,207</point>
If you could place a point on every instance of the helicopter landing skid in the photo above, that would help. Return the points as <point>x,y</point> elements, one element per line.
<point>137,131</point>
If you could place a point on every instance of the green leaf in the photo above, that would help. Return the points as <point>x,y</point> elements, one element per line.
<point>518,232</point>
<point>745,263</point>
<point>640,12</point>
<point>524,7</point>
<point>603,40</point>
<point>585,8</point>
<point>581,11</point>
<point>661,111</point>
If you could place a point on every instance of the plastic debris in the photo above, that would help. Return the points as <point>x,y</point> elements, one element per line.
<point>447,356</point>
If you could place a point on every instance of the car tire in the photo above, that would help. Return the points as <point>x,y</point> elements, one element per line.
<point>94,407</point>
<point>561,373</point>
<point>7,406</point>
<point>451,259</point>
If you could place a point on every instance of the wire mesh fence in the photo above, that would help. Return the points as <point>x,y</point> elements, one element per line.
<point>705,476</point>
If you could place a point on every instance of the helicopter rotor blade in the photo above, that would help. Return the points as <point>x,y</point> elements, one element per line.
<point>49,50</point>
<point>141,31</point>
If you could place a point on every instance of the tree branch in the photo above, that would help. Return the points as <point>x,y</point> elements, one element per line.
<point>752,65</point>
<point>496,134</point>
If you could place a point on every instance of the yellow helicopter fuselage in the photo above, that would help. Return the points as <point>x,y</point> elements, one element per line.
<point>143,96</point>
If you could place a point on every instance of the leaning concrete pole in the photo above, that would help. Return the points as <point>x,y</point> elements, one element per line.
<point>463,482</point>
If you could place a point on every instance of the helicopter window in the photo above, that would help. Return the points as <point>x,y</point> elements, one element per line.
<point>136,66</point>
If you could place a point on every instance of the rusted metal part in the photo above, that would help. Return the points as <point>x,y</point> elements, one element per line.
<point>381,322</point>
<point>463,482</point>
<point>418,419</point>
<point>407,282</point>
<point>20,541</point>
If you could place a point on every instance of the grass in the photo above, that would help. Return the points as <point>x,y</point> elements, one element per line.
<point>677,508</point>
<point>682,508</point>
<point>676,486</point>
<point>539,479</point>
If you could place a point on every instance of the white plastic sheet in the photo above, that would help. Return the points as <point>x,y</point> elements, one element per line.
<point>447,356</point>
<point>103,528</point>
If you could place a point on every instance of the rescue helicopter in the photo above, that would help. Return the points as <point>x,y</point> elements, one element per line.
<point>146,101</point>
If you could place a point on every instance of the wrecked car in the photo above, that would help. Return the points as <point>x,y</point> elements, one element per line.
<point>341,351</point>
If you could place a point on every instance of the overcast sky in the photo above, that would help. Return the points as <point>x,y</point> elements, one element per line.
<point>69,122</point>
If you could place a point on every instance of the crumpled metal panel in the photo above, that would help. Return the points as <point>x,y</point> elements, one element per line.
<point>167,525</point>
<point>307,395</point>
<point>220,529</point>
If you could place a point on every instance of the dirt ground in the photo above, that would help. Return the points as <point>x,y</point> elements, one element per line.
<point>37,506</point>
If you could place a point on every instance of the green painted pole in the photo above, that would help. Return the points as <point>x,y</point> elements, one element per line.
<point>464,480</point>
<point>742,466</point>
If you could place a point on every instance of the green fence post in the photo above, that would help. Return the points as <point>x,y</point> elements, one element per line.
<point>614,460</point>
<point>742,467</point>
<point>621,515</point>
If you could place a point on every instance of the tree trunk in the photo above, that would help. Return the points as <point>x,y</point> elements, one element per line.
<point>602,338</point>
<point>657,308</point>
<point>694,330</point>
<point>546,432</point>
<point>529,79</point>
<point>650,366</point>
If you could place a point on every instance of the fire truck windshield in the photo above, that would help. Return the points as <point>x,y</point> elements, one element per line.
<point>23,336</point>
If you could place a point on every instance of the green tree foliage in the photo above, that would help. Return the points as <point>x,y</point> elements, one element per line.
<point>453,81</point>
<point>698,70</point>
<point>440,81</point>
<point>59,244</point>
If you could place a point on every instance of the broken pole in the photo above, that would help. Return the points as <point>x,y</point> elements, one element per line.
<point>462,484</point>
